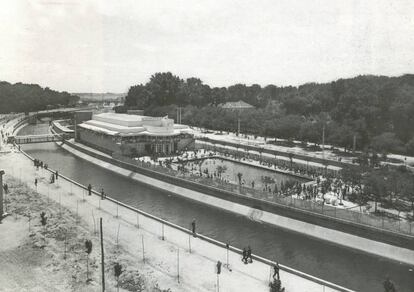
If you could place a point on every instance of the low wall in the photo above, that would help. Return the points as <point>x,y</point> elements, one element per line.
<point>60,129</point>
<point>364,231</point>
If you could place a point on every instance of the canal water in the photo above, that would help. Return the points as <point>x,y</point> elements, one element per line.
<point>249,174</point>
<point>343,266</point>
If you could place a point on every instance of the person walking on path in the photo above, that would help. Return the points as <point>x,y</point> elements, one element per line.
<point>276,270</point>
<point>89,190</point>
<point>35,182</point>
<point>102,194</point>
<point>193,227</point>
<point>57,175</point>
<point>249,255</point>
<point>244,258</point>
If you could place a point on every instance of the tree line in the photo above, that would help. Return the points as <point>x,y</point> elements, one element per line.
<point>376,111</point>
<point>20,97</point>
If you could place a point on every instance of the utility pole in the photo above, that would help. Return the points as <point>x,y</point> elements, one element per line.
<point>177,116</point>
<point>354,145</point>
<point>102,258</point>
<point>323,142</point>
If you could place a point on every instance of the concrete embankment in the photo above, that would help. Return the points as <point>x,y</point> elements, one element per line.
<point>382,249</point>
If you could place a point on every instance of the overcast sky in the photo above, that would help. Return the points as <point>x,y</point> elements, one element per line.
<point>107,46</point>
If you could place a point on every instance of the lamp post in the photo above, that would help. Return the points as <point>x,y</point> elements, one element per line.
<point>2,214</point>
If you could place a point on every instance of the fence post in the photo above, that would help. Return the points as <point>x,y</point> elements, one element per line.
<point>77,211</point>
<point>143,248</point>
<point>117,235</point>
<point>102,257</point>
<point>137,220</point>
<point>60,205</point>
<point>178,264</point>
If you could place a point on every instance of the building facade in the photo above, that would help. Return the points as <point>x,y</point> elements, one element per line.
<point>134,135</point>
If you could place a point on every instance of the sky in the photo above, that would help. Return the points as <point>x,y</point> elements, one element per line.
<point>107,46</point>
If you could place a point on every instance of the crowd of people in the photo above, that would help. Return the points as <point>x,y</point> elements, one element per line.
<point>328,187</point>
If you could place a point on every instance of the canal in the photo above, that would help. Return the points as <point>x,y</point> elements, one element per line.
<point>350,268</point>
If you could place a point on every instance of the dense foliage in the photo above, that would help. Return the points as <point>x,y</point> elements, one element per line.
<point>392,187</point>
<point>377,110</point>
<point>21,97</point>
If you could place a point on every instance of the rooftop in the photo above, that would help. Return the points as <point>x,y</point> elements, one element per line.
<point>237,105</point>
<point>121,117</point>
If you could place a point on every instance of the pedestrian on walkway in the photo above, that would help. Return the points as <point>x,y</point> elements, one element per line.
<point>193,227</point>
<point>244,258</point>
<point>89,190</point>
<point>57,175</point>
<point>35,182</point>
<point>276,269</point>
<point>102,195</point>
<point>249,255</point>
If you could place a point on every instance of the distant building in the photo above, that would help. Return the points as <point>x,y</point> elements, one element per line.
<point>236,105</point>
<point>134,134</point>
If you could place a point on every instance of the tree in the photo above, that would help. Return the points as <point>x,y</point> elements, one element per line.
<point>118,271</point>
<point>389,286</point>
<point>386,143</point>
<point>410,147</point>
<point>22,97</point>
<point>88,250</point>
<point>276,286</point>
<point>267,180</point>
<point>352,175</point>
<point>239,176</point>
<point>370,108</point>
<point>220,169</point>
<point>375,186</point>
<point>43,220</point>
<point>165,89</point>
